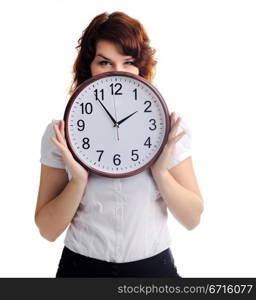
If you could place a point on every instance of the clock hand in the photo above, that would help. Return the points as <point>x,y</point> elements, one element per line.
<point>116,124</point>
<point>124,119</point>
<point>113,120</point>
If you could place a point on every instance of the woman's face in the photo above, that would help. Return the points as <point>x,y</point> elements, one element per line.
<point>108,57</point>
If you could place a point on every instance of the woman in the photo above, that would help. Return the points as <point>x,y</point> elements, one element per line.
<point>118,226</point>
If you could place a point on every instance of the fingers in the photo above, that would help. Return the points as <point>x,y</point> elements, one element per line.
<point>57,143</point>
<point>58,133</point>
<point>62,128</point>
<point>180,135</point>
<point>175,123</point>
<point>59,138</point>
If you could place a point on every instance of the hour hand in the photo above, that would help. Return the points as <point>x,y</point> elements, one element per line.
<point>124,119</point>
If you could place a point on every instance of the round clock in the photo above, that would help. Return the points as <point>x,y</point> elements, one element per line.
<point>116,124</point>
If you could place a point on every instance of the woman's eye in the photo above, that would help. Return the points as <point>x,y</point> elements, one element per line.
<point>103,62</point>
<point>130,62</point>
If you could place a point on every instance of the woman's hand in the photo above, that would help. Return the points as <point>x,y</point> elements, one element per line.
<point>164,158</point>
<point>77,171</point>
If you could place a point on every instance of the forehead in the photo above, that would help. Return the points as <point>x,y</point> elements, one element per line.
<point>108,48</point>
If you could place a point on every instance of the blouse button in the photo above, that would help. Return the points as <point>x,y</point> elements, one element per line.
<point>119,211</point>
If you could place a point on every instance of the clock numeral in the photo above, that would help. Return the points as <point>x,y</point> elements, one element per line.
<point>149,105</point>
<point>148,143</point>
<point>153,121</point>
<point>100,154</point>
<point>81,125</point>
<point>86,108</point>
<point>117,91</point>
<point>96,93</point>
<point>116,159</point>
<point>135,155</point>
<point>86,144</point>
<point>135,94</point>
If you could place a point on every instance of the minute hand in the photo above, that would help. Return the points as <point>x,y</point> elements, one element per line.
<point>124,119</point>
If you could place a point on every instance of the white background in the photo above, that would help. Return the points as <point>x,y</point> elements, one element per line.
<point>206,71</point>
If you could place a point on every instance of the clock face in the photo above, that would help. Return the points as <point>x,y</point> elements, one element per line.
<point>116,124</point>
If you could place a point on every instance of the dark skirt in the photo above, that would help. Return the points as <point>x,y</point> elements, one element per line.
<point>73,264</point>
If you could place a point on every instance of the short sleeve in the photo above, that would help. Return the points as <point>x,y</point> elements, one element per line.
<point>50,155</point>
<point>183,148</point>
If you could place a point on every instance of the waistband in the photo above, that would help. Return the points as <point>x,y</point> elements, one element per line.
<point>163,254</point>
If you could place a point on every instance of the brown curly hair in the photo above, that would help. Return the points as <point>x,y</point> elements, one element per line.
<point>120,29</point>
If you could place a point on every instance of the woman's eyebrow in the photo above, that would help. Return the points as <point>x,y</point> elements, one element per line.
<point>101,55</point>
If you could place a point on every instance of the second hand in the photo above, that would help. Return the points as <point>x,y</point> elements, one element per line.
<point>117,125</point>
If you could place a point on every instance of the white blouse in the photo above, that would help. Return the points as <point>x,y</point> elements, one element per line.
<point>118,219</point>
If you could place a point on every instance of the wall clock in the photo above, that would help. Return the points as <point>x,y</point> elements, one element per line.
<point>116,124</point>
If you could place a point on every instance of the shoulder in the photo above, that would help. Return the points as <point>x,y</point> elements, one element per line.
<point>49,131</point>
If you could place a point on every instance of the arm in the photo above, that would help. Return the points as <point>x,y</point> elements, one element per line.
<point>59,198</point>
<point>57,201</point>
<point>179,189</point>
